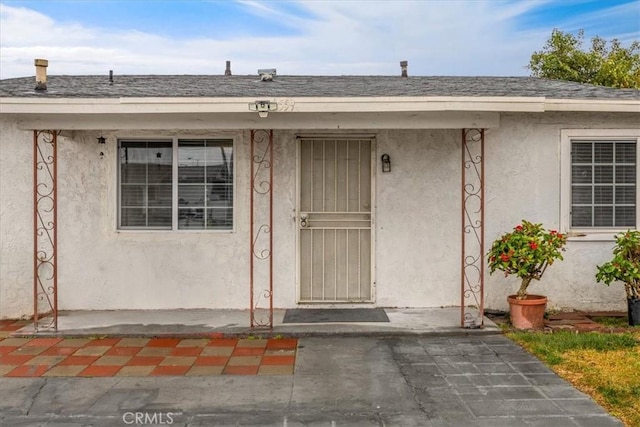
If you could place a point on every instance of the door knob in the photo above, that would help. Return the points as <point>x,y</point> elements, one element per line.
<point>303,220</point>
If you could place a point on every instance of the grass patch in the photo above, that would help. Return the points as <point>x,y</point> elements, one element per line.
<point>613,322</point>
<point>551,347</point>
<point>612,378</point>
<point>605,366</point>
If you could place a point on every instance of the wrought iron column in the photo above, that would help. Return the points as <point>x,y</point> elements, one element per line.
<point>261,257</point>
<point>45,230</point>
<point>472,259</point>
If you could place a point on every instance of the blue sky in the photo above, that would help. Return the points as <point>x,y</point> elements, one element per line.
<point>437,37</point>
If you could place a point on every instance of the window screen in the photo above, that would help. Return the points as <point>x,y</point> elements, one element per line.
<point>203,199</point>
<point>146,184</point>
<point>205,184</point>
<point>603,183</point>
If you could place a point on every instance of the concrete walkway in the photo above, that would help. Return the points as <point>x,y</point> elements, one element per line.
<point>419,369</point>
<point>427,381</point>
<point>430,321</point>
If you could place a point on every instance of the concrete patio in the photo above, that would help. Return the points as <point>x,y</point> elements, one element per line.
<point>429,321</point>
<point>421,381</point>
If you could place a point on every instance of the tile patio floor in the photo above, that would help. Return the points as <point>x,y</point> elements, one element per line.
<point>141,357</point>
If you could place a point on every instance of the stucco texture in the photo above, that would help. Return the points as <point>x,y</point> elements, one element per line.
<point>416,222</point>
<point>523,182</point>
<point>16,220</point>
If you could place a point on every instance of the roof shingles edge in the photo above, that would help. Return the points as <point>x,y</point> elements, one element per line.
<point>154,86</point>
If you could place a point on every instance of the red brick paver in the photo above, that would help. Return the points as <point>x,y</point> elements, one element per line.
<point>248,351</point>
<point>278,360</point>
<point>99,371</point>
<point>105,357</point>
<point>145,361</point>
<point>28,371</point>
<point>580,321</point>
<point>170,370</point>
<point>241,370</point>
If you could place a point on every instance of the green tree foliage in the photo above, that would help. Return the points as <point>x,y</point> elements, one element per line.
<point>625,265</point>
<point>604,64</point>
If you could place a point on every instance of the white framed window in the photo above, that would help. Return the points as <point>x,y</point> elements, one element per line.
<point>599,178</point>
<point>176,184</point>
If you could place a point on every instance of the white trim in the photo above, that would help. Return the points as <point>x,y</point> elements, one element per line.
<point>275,120</point>
<point>374,174</point>
<point>160,105</point>
<point>566,135</point>
<point>296,218</point>
<point>617,105</point>
<point>236,139</point>
<point>174,188</point>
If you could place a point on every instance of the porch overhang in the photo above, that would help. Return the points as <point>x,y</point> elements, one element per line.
<point>276,121</point>
<point>315,105</point>
<point>290,113</point>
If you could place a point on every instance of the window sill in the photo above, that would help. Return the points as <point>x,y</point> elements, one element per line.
<point>593,236</point>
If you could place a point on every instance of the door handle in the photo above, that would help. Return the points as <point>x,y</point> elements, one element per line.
<point>303,221</point>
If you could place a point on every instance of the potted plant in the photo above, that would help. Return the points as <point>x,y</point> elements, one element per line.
<point>625,268</point>
<point>526,252</point>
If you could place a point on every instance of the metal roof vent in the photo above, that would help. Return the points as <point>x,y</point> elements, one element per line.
<point>267,74</point>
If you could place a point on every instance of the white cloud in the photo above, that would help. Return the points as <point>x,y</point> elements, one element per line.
<point>436,37</point>
<point>21,26</point>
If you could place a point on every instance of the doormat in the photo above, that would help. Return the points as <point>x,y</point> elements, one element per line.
<point>334,315</point>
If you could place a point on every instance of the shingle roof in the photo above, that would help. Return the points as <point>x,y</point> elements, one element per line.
<point>306,86</point>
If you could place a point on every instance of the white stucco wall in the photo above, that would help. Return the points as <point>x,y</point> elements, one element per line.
<point>418,219</point>
<point>417,223</point>
<point>523,182</point>
<point>138,269</point>
<point>16,220</point>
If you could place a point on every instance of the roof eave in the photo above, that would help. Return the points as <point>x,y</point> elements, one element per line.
<point>595,105</point>
<point>29,105</point>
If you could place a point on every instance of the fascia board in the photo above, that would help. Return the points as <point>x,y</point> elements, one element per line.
<point>595,105</point>
<point>241,105</point>
<point>308,105</point>
<point>363,104</point>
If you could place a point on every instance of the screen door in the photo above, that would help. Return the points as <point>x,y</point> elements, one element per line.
<point>334,220</point>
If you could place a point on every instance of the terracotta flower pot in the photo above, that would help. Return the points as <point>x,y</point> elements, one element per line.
<point>527,313</point>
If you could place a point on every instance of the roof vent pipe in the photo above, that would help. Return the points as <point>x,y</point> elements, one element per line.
<point>41,74</point>
<point>403,67</point>
<point>227,71</point>
<point>110,77</point>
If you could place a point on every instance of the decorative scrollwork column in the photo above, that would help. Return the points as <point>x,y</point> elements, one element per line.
<point>261,257</point>
<point>45,230</point>
<point>472,259</point>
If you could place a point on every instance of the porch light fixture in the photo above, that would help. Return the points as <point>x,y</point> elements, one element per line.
<point>386,163</point>
<point>263,107</point>
<point>101,139</point>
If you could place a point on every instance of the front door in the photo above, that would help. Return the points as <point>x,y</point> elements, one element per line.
<point>334,220</point>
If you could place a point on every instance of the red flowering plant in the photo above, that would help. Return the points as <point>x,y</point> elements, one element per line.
<point>526,252</point>
<point>625,265</point>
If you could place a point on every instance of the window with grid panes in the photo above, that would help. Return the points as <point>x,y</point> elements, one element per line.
<point>183,184</point>
<point>205,184</point>
<point>603,183</point>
